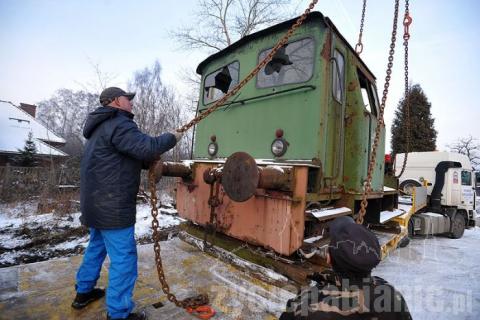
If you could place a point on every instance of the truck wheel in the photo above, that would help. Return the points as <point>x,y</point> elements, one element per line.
<point>408,185</point>
<point>458,226</point>
<point>411,228</point>
<point>406,240</point>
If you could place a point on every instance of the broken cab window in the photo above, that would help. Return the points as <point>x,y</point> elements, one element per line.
<point>293,63</point>
<point>369,96</point>
<point>219,82</point>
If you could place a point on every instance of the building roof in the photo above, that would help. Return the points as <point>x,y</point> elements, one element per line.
<point>16,124</point>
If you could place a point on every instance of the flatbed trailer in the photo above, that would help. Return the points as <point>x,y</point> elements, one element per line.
<point>243,281</point>
<point>254,260</point>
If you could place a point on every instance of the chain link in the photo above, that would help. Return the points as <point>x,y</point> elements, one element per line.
<point>359,45</point>
<point>213,202</point>
<point>407,20</point>
<point>202,299</point>
<point>381,123</point>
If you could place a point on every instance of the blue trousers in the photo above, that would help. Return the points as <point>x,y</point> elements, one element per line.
<point>121,248</point>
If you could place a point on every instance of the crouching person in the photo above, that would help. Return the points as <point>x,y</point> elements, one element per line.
<point>349,291</point>
<point>115,153</point>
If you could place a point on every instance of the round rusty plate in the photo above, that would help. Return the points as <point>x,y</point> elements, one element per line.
<point>240,176</point>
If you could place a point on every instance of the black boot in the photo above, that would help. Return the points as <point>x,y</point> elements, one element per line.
<point>83,299</point>
<point>132,316</point>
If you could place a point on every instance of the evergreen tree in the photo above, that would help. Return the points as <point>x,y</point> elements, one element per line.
<point>27,156</point>
<point>423,135</point>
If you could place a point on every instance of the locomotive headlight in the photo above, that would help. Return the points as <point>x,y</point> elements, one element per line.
<point>279,147</point>
<point>212,148</point>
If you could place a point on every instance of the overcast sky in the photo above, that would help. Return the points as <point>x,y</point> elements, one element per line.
<point>48,45</point>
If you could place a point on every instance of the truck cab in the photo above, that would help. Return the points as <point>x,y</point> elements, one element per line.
<point>477,192</point>
<point>450,183</point>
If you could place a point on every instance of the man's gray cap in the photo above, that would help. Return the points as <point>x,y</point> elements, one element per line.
<point>111,93</point>
<point>354,249</point>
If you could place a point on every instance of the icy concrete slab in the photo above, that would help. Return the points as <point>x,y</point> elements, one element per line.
<point>44,290</point>
<point>438,276</point>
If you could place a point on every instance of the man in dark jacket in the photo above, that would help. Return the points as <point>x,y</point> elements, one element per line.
<point>349,291</point>
<point>115,153</point>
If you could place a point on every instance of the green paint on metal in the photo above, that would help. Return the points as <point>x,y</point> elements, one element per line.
<point>337,135</point>
<point>251,126</point>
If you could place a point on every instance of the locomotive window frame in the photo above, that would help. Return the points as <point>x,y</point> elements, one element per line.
<point>373,88</point>
<point>367,92</point>
<point>233,83</point>
<point>338,85</point>
<point>266,51</point>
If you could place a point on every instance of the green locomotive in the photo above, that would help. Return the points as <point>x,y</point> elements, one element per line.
<point>290,151</point>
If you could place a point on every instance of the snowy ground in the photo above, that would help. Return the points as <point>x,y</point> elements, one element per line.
<point>439,277</point>
<point>29,237</point>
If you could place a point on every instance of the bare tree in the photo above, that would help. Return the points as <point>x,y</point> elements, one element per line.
<point>100,78</point>
<point>65,114</point>
<point>219,23</point>
<point>157,107</point>
<point>468,146</point>
<point>192,81</point>
<point>216,24</point>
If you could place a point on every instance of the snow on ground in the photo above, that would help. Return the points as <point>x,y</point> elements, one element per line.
<point>26,236</point>
<point>438,276</point>
<point>167,219</point>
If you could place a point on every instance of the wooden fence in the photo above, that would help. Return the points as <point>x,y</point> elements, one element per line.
<point>24,182</point>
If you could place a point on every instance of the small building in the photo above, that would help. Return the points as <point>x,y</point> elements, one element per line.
<point>16,122</point>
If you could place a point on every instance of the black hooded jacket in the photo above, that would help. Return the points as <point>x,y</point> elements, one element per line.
<point>115,153</point>
<point>337,298</point>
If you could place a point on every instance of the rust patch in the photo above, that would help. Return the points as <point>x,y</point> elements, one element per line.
<point>351,86</point>
<point>348,120</point>
<point>226,218</point>
<point>327,46</point>
<point>273,219</point>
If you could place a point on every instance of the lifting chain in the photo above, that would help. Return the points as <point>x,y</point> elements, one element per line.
<point>213,202</point>
<point>407,20</point>
<point>373,155</point>
<point>359,45</point>
<point>196,304</point>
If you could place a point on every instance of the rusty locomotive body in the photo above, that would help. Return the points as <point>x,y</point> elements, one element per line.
<point>291,150</point>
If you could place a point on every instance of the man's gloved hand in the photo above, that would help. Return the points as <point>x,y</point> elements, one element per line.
<point>178,135</point>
